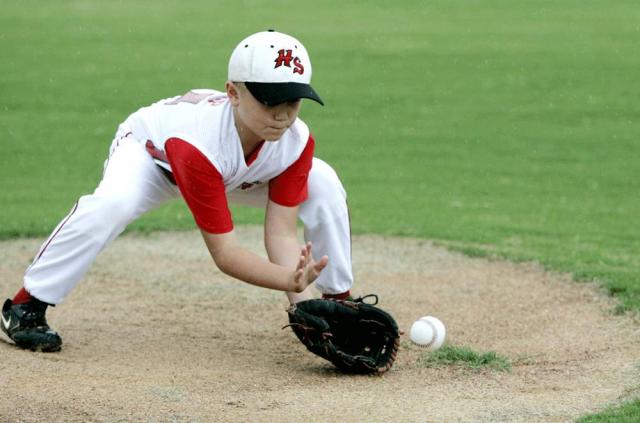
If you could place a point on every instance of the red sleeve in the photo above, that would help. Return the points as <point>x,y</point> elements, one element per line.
<point>201,186</point>
<point>289,189</point>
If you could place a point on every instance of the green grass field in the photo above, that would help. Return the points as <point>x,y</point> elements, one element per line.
<point>452,355</point>
<point>496,127</point>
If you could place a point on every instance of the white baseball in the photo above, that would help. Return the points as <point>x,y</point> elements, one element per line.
<point>428,332</point>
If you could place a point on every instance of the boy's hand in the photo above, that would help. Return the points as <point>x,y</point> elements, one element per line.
<point>307,269</point>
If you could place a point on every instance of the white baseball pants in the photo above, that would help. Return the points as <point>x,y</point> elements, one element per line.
<point>132,184</point>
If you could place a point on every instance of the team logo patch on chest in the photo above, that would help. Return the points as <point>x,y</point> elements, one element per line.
<point>250,185</point>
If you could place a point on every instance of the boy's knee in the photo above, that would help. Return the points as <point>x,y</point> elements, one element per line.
<point>327,200</point>
<point>324,183</point>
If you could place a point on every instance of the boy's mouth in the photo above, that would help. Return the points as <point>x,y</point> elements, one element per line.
<point>277,128</point>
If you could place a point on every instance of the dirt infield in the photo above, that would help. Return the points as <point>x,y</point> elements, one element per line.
<point>156,333</point>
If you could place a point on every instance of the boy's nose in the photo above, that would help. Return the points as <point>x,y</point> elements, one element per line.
<point>281,113</point>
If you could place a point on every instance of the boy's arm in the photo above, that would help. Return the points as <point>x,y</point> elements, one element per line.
<point>242,264</point>
<point>281,243</point>
<point>202,187</point>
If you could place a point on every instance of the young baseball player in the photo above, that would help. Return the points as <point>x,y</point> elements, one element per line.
<point>245,145</point>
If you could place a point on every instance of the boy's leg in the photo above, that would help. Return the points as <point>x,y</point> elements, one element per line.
<point>326,224</point>
<point>132,184</point>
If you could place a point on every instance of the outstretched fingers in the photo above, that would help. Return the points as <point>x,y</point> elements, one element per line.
<point>321,265</point>
<point>314,267</point>
<point>303,259</point>
<point>307,269</point>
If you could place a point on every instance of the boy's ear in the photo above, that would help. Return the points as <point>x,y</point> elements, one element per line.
<point>232,92</point>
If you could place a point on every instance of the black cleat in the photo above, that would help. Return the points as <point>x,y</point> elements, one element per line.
<point>27,326</point>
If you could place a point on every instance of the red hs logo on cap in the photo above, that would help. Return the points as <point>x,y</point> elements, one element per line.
<point>285,57</point>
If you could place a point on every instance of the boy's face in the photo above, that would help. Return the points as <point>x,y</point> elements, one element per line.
<point>267,123</point>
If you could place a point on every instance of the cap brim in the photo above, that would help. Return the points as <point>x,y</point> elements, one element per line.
<point>274,93</point>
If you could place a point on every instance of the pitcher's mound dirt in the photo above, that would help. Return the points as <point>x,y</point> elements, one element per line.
<point>156,333</point>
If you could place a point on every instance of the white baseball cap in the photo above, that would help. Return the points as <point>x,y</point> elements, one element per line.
<point>275,68</point>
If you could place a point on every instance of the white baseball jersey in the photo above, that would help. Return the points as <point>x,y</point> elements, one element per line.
<point>203,119</point>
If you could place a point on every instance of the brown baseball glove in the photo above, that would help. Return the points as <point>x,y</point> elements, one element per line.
<point>354,335</point>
